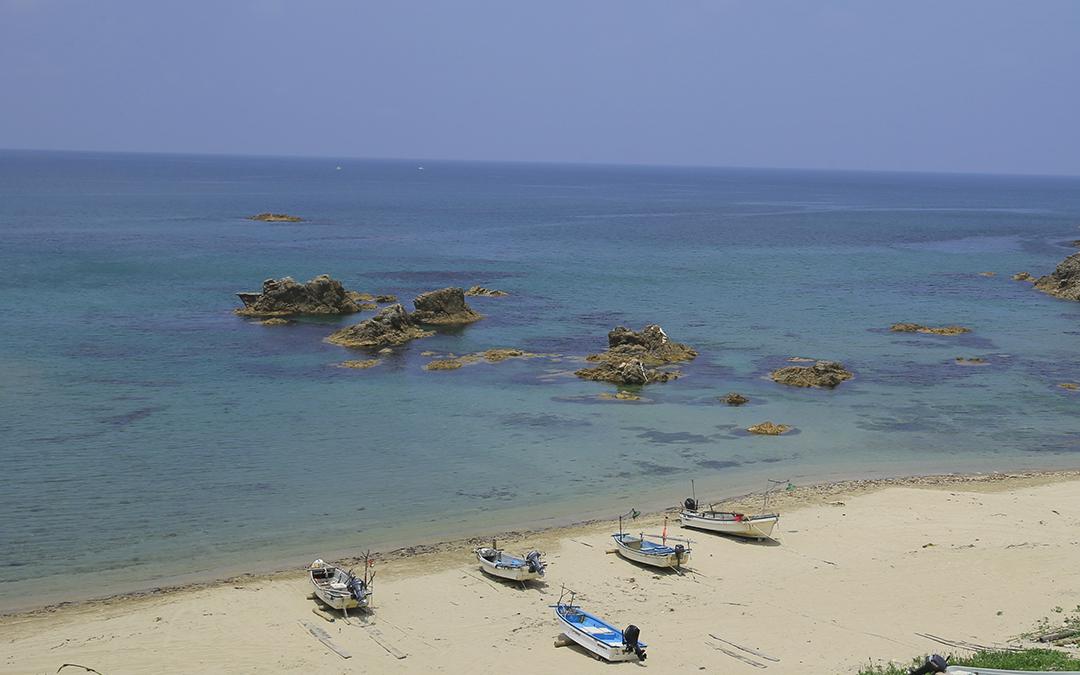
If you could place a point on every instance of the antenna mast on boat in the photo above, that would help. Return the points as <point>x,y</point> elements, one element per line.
<point>772,484</point>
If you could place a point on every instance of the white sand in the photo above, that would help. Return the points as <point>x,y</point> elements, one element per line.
<point>968,560</point>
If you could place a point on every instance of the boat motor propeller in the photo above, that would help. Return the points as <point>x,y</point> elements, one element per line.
<point>934,664</point>
<point>536,565</point>
<point>630,641</point>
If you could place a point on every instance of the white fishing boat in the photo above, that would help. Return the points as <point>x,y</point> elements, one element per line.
<point>597,635</point>
<point>338,588</point>
<point>638,548</point>
<point>498,563</point>
<point>728,522</point>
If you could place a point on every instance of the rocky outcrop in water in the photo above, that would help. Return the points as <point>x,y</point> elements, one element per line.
<point>385,299</point>
<point>931,330</point>
<point>1023,276</point>
<point>631,371</point>
<point>823,374</point>
<point>360,365</point>
<point>276,218</point>
<point>632,357</point>
<point>489,292</point>
<point>285,297</point>
<point>391,326</point>
<point>769,429</point>
<point>444,364</point>
<point>1063,282</point>
<point>734,398</point>
<point>445,306</point>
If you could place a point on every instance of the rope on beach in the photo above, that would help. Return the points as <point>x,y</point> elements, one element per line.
<point>78,665</point>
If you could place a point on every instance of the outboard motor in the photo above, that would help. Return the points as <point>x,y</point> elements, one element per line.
<point>679,551</point>
<point>934,664</point>
<point>630,641</point>
<point>690,504</point>
<point>534,562</point>
<point>356,588</point>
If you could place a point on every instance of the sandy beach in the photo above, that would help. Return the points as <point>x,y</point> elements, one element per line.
<point>861,567</point>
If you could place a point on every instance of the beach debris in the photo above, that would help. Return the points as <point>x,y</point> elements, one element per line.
<point>745,649</point>
<point>562,641</point>
<point>268,217</point>
<point>445,306</point>
<point>768,429</point>
<point>488,292</point>
<point>930,330</point>
<point>285,297</point>
<point>377,636</point>
<point>78,665</point>
<point>823,374</point>
<point>970,646</point>
<point>632,357</point>
<point>734,398</point>
<point>324,637</point>
<point>326,616</point>
<point>1064,281</point>
<point>391,326</point>
<point>745,659</point>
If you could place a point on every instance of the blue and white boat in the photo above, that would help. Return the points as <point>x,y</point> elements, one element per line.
<point>341,589</point>
<point>498,563</point>
<point>639,549</point>
<point>597,635</point>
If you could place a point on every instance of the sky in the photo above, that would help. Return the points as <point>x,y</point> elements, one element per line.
<point>913,85</point>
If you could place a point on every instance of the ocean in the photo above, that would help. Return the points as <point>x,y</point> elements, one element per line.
<point>150,436</point>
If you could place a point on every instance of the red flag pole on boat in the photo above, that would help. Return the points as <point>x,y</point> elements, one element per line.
<point>663,535</point>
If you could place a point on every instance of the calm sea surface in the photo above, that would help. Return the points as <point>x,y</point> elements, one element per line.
<point>147,434</point>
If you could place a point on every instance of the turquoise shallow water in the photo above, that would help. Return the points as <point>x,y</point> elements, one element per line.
<point>148,434</point>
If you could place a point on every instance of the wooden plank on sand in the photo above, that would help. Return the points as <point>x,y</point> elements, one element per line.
<point>380,639</point>
<point>324,637</point>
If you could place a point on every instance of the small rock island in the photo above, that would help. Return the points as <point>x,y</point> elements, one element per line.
<point>286,297</point>
<point>276,218</point>
<point>823,374</point>
<point>632,358</point>
<point>392,326</point>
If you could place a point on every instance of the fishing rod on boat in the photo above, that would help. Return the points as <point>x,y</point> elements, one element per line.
<point>632,514</point>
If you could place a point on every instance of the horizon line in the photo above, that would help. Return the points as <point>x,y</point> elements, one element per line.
<point>608,164</point>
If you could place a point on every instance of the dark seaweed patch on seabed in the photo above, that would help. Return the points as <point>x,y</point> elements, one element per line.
<point>542,420</point>
<point>658,469</point>
<point>125,419</point>
<point>718,463</point>
<point>673,437</point>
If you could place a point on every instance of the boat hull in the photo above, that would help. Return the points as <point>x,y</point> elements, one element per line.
<point>754,527</point>
<point>330,585</point>
<point>669,560</point>
<point>522,573</point>
<point>580,635</point>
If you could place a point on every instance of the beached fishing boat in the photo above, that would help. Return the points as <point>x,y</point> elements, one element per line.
<point>728,522</point>
<point>638,548</point>
<point>498,563</point>
<point>338,588</point>
<point>597,635</point>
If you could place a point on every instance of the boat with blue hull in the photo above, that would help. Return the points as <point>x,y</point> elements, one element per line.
<point>598,636</point>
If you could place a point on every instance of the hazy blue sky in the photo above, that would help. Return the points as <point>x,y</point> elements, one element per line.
<point>955,85</point>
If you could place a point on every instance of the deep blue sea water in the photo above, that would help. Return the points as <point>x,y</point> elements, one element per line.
<point>147,434</point>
